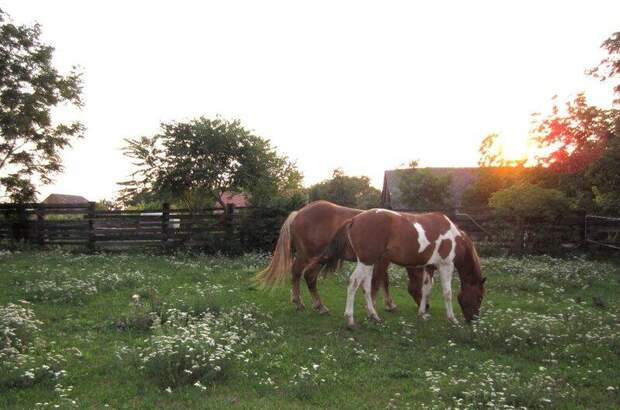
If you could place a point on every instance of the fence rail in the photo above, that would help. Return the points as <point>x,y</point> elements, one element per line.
<point>230,229</point>
<point>250,228</point>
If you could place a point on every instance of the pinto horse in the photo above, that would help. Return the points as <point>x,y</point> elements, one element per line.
<point>412,241</point>
<point>303,237</point>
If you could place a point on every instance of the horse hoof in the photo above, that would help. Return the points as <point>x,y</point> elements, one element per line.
<point>424,316</point>
<point>391,308</point>
<point>322,310</point>
<point>375,318</point>
<point>350,322</point>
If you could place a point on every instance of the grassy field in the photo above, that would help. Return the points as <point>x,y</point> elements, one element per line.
<point>199,334</point>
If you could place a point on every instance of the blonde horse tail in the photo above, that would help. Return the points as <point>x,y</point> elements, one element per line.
<point>282,260</point>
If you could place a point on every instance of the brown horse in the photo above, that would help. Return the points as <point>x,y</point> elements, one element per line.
<point>412,241</point>
<point>303,236</point>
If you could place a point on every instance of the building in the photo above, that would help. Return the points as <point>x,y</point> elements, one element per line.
<point>61,199</point>
<point>462,178</point>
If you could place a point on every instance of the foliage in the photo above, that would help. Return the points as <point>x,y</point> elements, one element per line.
<point>30,86</point>
<point>492,154</point>
<point>582,142</point>
<point>491,180</point>
<point>525,201</point>
<point>186,349</point>
<point>423,189</point>
<point>609,67</point>
<point>351,191</point>
<point>195,162</point>
<point>577,138</point>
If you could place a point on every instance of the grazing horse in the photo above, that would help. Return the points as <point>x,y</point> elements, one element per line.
<point>413,241</point>
<point>303,237</point>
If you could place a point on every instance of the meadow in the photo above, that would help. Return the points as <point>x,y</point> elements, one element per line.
<point>191,331</point>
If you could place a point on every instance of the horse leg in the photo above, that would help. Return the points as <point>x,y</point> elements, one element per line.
<point>380,277</point>
<point>298,267</point>
<point>416,278</point>
<point>445,273</point>
<point>370,306</point>
<point>425,284</point>
<point>355,280</point>
<point>416,281</point>
<point>311,279</point>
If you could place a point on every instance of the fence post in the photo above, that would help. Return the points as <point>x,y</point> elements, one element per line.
<point>165,224</point>
<point>228,223</point>
<point>91,225</point>
<point>583,233</point>
<point>21,231</point>
<point>41,224</point>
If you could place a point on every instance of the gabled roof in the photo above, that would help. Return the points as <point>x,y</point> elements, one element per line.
<point>63,199</point>
<point>239,200</point>
<point>462,178</point>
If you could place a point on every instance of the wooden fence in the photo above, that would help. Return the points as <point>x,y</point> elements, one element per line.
<point>234,230</point>
<point>213,229</point>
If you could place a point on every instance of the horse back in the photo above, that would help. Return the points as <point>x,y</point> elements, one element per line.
<point>316,224</point>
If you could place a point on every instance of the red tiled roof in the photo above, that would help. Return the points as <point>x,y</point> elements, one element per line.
<point>239,200</point>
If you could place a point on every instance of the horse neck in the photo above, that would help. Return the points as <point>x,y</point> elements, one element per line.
<point>469,270</point>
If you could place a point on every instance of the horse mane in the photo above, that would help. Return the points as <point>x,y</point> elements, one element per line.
<point>471,271</point>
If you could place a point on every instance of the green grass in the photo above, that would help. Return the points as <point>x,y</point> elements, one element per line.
<point>549,337</point>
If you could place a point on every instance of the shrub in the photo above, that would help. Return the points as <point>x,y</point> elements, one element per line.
<point>186,350</point>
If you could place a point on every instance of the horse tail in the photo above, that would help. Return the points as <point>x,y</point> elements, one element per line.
<point>334,254</point>
<point>282,260</point>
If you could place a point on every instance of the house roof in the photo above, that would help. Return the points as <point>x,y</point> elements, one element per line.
<point>63,199</point>
<point>462,178</point>
<point>240,200</point>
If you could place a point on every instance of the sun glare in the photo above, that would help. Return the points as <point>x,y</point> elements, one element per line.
<point>517,148</point>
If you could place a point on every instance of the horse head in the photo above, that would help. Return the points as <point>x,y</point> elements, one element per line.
<point>470,299</point>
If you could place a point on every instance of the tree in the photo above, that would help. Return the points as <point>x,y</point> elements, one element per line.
<point>609,68</point>
<point>30,144</point>
<point>524,201</point>
<point>490,180</point>
<point>422,189</point>
<point>195,162</point>
<point>351,191</point>
<point>492,154</point>
<point>582,141</point>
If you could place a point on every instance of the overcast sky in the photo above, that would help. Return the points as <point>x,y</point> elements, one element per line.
<point>365,86</point>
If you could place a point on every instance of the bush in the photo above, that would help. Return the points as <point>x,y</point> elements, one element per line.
<point>187,350</point>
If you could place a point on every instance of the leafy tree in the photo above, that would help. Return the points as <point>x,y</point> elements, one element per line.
<point>609,68</point>
<point>423,189</point>
<point>30,87</point>
<point>524,201</point>
<point>491,180</point>
<point>195,162</point>
<point>355,192</point>
<point>492,154</point>
<point>576,138</point>
<point>583,142</point>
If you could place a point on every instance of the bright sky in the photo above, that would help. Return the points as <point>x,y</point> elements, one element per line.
<point>365,86</point>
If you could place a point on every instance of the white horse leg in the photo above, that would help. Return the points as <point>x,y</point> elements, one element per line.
<point>355,280</point>
<point>445,272</point>
<point>366,287</point>
<point>427,286</point>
